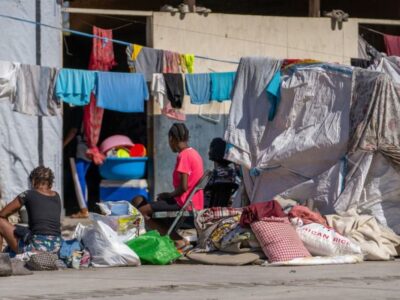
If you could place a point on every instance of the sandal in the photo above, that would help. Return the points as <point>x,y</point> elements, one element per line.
<point>82,214</point>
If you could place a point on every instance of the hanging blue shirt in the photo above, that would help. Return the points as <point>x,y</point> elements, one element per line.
<point>198,87</point>
<point>274,94</point>
<point>123,92</point>
<point>222,85</point>
<point>75,86</point>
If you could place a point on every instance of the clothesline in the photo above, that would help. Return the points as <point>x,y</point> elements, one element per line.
<point>72,31</point>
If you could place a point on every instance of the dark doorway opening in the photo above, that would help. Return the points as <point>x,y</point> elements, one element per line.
<point>76,55</point>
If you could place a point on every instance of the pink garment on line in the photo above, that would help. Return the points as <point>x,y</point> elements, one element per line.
<point>189,162</point>
<point>392,44</point>
<point>173,113</point>
<point>171,62</point>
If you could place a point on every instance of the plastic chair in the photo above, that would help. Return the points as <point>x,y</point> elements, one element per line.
<point>183,212</point>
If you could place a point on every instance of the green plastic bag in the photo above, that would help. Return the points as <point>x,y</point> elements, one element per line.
<point>154,249</point>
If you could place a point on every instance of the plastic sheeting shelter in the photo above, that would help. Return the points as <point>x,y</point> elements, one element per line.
<point>28,141</point>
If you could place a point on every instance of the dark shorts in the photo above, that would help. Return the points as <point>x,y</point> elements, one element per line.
<point>164,205</point>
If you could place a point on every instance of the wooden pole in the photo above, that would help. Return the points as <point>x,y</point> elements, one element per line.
<point>314,8</point>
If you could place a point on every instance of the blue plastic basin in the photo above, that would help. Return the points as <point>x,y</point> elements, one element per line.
<point>123,168</point>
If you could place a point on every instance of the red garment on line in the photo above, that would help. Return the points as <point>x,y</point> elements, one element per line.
<point>392,44</point>
<point>102,56</point>
<point>101,59</point>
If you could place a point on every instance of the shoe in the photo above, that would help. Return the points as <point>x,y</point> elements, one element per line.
<point>183,8</point>
<point>82,214</point>
<point>168,8</point>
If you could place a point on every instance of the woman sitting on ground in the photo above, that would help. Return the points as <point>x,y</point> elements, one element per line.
<point>188,171</point>
<point>43,206</point>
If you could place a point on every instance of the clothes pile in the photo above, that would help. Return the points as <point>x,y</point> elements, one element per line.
<point>300,236</point>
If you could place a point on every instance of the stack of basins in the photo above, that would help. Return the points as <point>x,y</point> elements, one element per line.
<point>123,171</point>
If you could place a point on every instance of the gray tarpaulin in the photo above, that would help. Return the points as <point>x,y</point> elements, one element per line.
<point>375,115</point>
<point>307,137</point>
<point>19,149</point>
<point>248,116</point>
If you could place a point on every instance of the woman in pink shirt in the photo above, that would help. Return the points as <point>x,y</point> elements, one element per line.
<point>188,171</point>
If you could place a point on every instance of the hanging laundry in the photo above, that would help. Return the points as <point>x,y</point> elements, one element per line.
<point>222,85</point>
<point>8,79</point>
<point>145,60</point>
<point>35,91</point>
<point>172,62</point>
<point>175,89</point>
<point>274,94</point>
<point>102,55</point>
<point>159,92</point>
<point>75,86</point>
<point>360,62</point>
<point>124,92</point>
<point>199,88</point>
<point>173,113</point>
<point>101,59</point>
<point>392,44</point>
<point>187,63</point>
<point>92,120</point>
<point>286,63</point>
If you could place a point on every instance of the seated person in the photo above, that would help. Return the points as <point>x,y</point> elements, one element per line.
<point>43,206</point>
<point>224,175</point>
<point>188,171</point>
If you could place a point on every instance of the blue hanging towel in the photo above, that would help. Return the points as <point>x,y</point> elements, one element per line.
<point>123,92</point>
<point>222,85</point>
<point>274,94</point>
<point>198,87</point>
<point>75,86</point>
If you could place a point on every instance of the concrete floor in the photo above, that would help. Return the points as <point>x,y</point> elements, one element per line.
<point>369,280</point>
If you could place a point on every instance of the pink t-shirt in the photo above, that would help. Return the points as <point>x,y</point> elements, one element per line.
<point>189,162</point>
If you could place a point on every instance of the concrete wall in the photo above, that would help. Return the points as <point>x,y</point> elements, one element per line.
<point>233,36</point>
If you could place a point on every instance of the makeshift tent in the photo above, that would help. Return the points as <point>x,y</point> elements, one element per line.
<point>334,139</point>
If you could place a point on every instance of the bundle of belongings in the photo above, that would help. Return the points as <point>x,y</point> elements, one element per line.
<point>295,235</point>
<point>111,240</point>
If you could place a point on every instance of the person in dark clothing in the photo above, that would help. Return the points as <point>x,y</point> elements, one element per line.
<point>79,161</point>
<point>43,206</point>
<point>223,182</point>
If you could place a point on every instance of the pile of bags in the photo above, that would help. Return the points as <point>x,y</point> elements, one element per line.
<point>295,235</point>
<point>115,240</point>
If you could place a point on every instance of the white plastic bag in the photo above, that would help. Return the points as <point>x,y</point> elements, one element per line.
<point>105,247</point>
<point>126,227</point>
<point>122,223</point>
<point>323,241</point>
